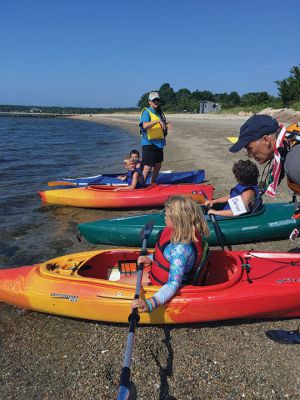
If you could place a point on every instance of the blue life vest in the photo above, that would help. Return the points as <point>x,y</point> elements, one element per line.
<point>239,189</point>
<point>129,176</point>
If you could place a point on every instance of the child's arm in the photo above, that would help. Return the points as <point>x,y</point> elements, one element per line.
<point>223,213</point>
<point>134,182</point>
<point>122,177</point>
<point>150,124</point>
<point>247,196</point>
<point>219,200</point>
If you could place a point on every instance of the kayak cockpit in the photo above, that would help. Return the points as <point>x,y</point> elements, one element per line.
<point>221,268</point>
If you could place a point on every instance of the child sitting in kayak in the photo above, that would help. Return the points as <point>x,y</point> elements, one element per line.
<point>246,174</point>
<point>134,176</point>
<point>135,155</point>
<point>178,251</point>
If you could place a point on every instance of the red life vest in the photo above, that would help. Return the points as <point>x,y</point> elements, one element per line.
<point>160,267</point>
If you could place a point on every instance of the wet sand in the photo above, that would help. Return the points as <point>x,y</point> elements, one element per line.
<point>48,357</point>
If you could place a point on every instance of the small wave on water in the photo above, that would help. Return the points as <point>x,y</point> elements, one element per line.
<point>35,151</point>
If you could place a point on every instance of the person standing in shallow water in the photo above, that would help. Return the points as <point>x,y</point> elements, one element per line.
<point>154,129</point>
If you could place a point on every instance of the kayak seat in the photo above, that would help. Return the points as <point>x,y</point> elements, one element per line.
<point>200,275</point>
<point>102,265</point>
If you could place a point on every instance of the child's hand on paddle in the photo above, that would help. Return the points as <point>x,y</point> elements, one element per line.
<point>209,203</point>
<point>144,260</point>
<point>211,211</point>
<point>141,305</point>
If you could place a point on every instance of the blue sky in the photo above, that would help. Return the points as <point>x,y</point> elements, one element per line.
<point>97,53</point>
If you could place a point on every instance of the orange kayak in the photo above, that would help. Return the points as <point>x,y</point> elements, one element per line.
<point>100,285</point>
<point>103,196</point>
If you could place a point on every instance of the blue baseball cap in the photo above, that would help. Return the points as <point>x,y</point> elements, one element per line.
<point>253,129</point>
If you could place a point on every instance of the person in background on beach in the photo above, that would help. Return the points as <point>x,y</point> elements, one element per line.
<point>154,128</point>
<point>178,251</point>
<point>246,174</point>
<point>135,155</point>
<point>134,176</point>
<point>266,141</point>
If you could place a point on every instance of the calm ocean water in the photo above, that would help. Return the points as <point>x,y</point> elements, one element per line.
<point>34,151</point>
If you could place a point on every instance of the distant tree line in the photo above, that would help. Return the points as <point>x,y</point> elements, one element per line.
<point>61,110</point>
<point>185,100</point>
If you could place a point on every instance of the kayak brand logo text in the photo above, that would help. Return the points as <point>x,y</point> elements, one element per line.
<point>65,296</point>
<point>288,280</point>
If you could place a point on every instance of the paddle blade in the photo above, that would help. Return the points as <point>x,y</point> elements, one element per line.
<point>61,183</point>
<point>127,393</point>
<point>146,231</point>
<point>132,391</point>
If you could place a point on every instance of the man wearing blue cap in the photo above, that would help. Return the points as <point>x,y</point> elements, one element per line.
<point>265,141</point>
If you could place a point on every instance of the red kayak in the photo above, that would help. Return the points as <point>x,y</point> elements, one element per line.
<point>100,285</point>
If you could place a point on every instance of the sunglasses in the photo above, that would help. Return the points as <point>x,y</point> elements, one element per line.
<point>156,100</point>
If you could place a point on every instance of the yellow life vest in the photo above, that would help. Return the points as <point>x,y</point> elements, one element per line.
<point>156,132</point>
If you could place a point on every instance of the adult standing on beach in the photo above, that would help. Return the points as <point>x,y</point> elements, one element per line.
<point>265,140</point>
<point>154,129</point>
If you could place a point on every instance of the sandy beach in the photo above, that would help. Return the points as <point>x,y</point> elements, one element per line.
<point>48,357</point>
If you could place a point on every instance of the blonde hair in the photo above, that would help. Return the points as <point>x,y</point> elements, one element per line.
<point>130,159</point>
<point>187,218</point>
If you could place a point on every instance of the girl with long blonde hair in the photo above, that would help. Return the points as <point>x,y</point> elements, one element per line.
<point>178,251</point>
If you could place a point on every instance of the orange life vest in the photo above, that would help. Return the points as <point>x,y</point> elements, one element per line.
<point>160,268</point>
<point>293,133</point>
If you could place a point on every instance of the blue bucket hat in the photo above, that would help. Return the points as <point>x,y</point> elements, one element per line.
<point>253,129</point>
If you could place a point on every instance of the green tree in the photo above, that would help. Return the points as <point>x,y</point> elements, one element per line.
<point>234,99</point>
<point>143,102</point>
<point>167,96</point>
<point>183,100</point>
<point>254,98</point>
<point>289,88</point>
<point>203,95</point>
<point>183,94</point>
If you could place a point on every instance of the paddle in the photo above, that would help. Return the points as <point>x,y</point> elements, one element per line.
<point>61,183</point>
<point>219,234</point>
<point>127,389</point>
<point>73,184</point>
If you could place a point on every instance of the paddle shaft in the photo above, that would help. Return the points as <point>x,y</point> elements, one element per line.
<point>124,387</point>
<point>73,184</point>
<point>217,229</point>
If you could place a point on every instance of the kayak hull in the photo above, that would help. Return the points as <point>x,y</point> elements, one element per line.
<point>110,197</point>
<point>273,222</point>
<point>77,286</point>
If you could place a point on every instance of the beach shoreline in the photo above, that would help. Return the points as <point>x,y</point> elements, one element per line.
<point>46,356</point>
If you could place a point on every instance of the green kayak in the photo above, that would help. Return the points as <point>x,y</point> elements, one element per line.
<point>271,222</point>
